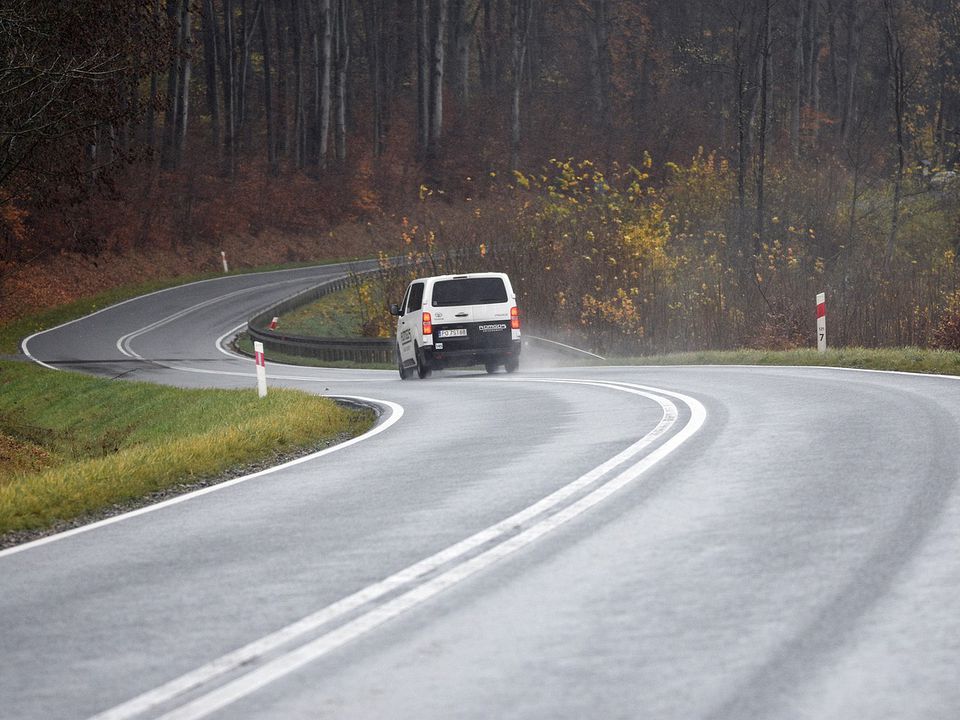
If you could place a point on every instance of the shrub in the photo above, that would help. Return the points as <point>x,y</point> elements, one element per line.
<point>946,336</point>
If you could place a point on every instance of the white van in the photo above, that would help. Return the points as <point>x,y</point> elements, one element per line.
<point>457,320</point>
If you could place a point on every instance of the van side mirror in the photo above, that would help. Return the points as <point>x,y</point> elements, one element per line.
<point>394,309</point>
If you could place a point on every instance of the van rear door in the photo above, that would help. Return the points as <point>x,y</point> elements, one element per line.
<point>466,310</point>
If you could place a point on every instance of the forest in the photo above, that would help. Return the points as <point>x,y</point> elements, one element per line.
<point>655,176</point>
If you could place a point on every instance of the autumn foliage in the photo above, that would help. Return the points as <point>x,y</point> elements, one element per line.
<point>655,176</point>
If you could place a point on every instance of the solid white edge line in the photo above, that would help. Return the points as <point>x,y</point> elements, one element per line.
<point>396,412</point>
<point>237,658</point>
<point>294,660</point>
<point>219,342</point>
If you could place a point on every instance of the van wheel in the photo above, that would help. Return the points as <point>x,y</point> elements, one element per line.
<point>490,366</point>
<point>423,370</point>
<point>404,372</point>
<point>512,365</point>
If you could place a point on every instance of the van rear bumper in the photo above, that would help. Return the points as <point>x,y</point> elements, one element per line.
<point>470,356</point>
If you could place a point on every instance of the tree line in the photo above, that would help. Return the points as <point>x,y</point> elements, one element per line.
<point>857,100</point>
<point>310,82</point>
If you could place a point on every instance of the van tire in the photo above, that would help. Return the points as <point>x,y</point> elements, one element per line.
<point>512,365</point>
<point>491,366</point>
<point>404,372</point>
<point>423,369</point>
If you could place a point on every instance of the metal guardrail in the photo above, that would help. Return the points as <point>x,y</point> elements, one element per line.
<point>358,350</point>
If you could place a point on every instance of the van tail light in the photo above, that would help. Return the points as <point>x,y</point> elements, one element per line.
<point>427,324</point>
<point>514,318</point>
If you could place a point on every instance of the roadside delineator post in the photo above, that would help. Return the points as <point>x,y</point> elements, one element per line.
<point>261,369</point>
<point>822,322</point>
<point>223,256</point>
<point>273,324</point>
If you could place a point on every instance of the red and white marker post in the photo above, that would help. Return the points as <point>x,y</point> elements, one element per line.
<point>261,369</point>
<point>223,256</point>
<point>273,324</point>
<point>822,322</point>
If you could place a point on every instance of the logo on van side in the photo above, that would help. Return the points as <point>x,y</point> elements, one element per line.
<point>493,328</point>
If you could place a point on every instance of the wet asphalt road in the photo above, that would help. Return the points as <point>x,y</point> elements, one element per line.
<point>688,542</point>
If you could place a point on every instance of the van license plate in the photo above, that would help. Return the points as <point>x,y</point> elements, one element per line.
<point>454,332</point>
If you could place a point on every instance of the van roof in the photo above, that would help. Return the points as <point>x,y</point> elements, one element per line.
<point>461,276</point>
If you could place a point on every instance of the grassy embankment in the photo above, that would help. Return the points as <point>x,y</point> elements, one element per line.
<point>335,315</point>
<point>72,445</point>
<point>916,360</point>
<point>338,315</point>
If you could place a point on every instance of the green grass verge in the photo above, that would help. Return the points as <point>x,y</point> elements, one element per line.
<point>336,315</point>
<point>333,315</point>
<point>904,359</point>
<point>245,345</point>
<point>91,443</point>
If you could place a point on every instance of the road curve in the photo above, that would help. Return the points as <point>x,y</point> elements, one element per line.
<point>688,542</point>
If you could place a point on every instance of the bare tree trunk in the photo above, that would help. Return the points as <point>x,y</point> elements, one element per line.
<point>854,29</point>
<point>797,80</point>
<point>486,45</point>
<point>283,123</point>
<point>939,134</point>
<point>326,18</point>
<point>229,91</point>
<point>600,65</point>
<point>249,24</point>
<point>423,73</point>
<point>186,67</point>
<point>268,92</point>
<point>374,22</point>
<point>896,60</point>
<point>462,27</point>
<point>240,75</point>
<point>168,158</point>
<point>151,122</point>
<point>834,51</point>
<point>392,53</point>
<point>746,94</point>
<point>521,16</point>
<point>813,68</point>
<point>314,20</point>
<point>152,112</point>
<point>762,134</point>
<point>343,62</point>
<point>436,84</point>
<point>209,23</point>
<point>299,106</point>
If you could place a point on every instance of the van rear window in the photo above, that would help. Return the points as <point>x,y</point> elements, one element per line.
<point>469,291</point>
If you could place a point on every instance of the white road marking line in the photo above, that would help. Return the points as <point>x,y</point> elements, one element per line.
<point>291,661</point>
<point>124,340</point>
<point>220,341</point>
<point>396,412</point>
<point>123,343</point>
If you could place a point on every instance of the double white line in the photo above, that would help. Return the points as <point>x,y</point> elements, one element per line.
<point>266,660</point>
